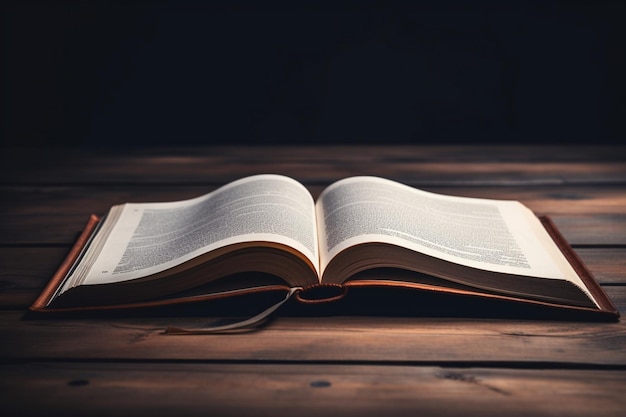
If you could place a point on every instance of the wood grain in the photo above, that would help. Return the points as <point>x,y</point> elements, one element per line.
<point>190,389</point>
<point>339,339</point>
<point>321,165</point>
<point>346,365</point>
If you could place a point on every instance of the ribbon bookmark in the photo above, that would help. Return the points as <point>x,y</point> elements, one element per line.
<point>233,326</point>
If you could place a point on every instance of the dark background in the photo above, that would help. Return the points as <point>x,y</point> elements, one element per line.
<point>183,72</point>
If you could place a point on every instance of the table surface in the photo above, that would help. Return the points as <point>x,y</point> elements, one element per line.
<point>340,365</point>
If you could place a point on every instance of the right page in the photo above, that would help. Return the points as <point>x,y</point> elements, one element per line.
<point>502,237</point>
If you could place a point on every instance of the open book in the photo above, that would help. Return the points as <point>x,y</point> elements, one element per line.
<point>267,233</point>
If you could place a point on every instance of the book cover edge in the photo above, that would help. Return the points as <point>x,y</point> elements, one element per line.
<point>606,305</point>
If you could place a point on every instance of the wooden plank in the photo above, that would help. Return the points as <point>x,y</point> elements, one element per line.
<point>21,279</point>
<point>608,265</point>
<point>54,215</point>
<point>339,338</point>
<point>386,152</point>
<point>16,162</point>
<point>79,199</point>
<point>582,230</point>
<point>416,165</point>
<point>24,273</point>
<point>418,174</point>
<point>79,389</point>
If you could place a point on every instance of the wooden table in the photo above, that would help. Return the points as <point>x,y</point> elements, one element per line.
<point>347,365</point>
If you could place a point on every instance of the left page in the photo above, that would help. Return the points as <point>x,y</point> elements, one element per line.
<point>144,239</point>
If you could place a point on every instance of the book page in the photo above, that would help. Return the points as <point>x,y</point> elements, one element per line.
<point>151,237</point>
<point>494,235</point>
